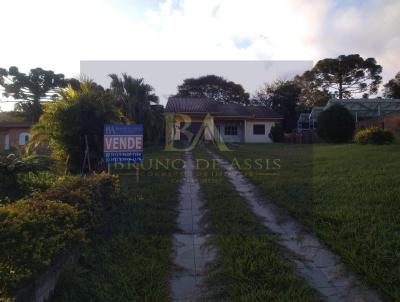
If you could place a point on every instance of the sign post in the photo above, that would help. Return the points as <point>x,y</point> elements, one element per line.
<point>123,144</point>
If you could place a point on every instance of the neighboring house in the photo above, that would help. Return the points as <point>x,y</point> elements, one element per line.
<point>234,123</point>
<point>361,109</point>
<point>14,132</point>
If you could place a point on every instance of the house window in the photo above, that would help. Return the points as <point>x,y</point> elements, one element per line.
<point>7,142</point>
<point>23,138</point>
<point>259,129</point>
<point>231,130</point>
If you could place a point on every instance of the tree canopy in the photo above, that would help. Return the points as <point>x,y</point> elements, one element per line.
<point>31,88</point>
<point>214,87</point>
<point>336,125</point>
<point>310,94</point>
<point>75,116</point>
<point>283,97</point>
<point>346,75</point>
<point>392,88</point>
<point>139,104</point>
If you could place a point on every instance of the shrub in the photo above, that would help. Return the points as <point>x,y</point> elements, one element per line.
<point>30,182</point>
<point>336,125</point>
<point>92,195</point>
<point>77,115</point>
<point>277,133</point>
<point>19,177</point>
<point>10,167</point>
<point>32,234</point>
<point>374,135</point>
<point>36,163</point>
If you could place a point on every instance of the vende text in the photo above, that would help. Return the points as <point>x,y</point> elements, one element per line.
<point>120,143</point>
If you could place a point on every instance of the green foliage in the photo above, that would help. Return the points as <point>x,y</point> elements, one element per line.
<point>19,177</point>
<point>76,115</point>
<point>93,195</point>
<point>214,87</point>
<point>39,84</point>
<point>348,195</point>
<point>34,182</point>
<point>10,167</point>
<point>33,233</point>
<point>140,105</point>
<point>249,266</point>
<point>336,125</point>
<point>133,263</point>
<point>311,94</point>
<point>392,88</point>
<point>281,96</point>
<point>38,229</point>
<point>11,164</point>
<point>277,134</point>
<point>347,75</point>
<point>38,162</point>
<point>374,135</point>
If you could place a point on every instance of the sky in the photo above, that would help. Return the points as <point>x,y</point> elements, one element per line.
<point>59,34</point>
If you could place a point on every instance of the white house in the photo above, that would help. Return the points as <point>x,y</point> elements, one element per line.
<point>233,122</point>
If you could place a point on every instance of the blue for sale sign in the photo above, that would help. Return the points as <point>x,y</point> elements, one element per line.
<point>123,143</point>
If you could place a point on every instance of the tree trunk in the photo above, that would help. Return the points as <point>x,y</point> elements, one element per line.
<point>36,110</point>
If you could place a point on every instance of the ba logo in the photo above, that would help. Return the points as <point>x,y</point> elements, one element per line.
<point>178,127</point>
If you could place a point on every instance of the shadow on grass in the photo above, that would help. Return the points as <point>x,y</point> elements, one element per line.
<point>132,262</point>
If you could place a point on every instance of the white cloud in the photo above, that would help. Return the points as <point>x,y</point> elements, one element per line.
<point>59,34</point>
<point>370,29</point>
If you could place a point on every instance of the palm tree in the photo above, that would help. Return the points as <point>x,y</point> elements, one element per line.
<point>139,104</point>
<point>73,122</point>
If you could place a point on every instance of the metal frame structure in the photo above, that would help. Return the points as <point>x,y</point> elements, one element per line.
<point>361,109</point>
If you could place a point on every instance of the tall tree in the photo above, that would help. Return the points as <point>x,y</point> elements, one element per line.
<point>311,95</point>
<point>347,75</point>
<point>392,88</point>
<point>76,117</point>
<point>139,104</point>
<point>31,88</point>
<point>214,87</point>
<point>283,97</point>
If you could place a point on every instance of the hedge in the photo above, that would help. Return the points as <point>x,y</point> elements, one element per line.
<point>93,196</point>
<point>374,135</point>
<point>36,230</point>
<point>32,234</point>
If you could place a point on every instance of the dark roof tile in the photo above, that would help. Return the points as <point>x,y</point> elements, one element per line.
<point>204,105</point>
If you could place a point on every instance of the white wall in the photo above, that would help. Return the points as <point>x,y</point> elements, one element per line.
<point>252,138</point>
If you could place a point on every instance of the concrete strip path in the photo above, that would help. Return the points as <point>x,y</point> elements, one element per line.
<point>191,254</point>
<point>321,268</point>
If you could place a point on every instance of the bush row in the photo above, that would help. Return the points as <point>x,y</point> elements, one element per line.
<point>93,196</point>
<point>374,135</point>
<point>36,230</point>
<point>337,125</point>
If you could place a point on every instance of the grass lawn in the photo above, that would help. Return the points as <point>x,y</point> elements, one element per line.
<point>249,264</point>
<point>133,262</point>
<point>348,195</point>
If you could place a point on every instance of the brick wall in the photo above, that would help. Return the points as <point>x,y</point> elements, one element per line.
<point>14,134</point>
<point>389,121</point>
